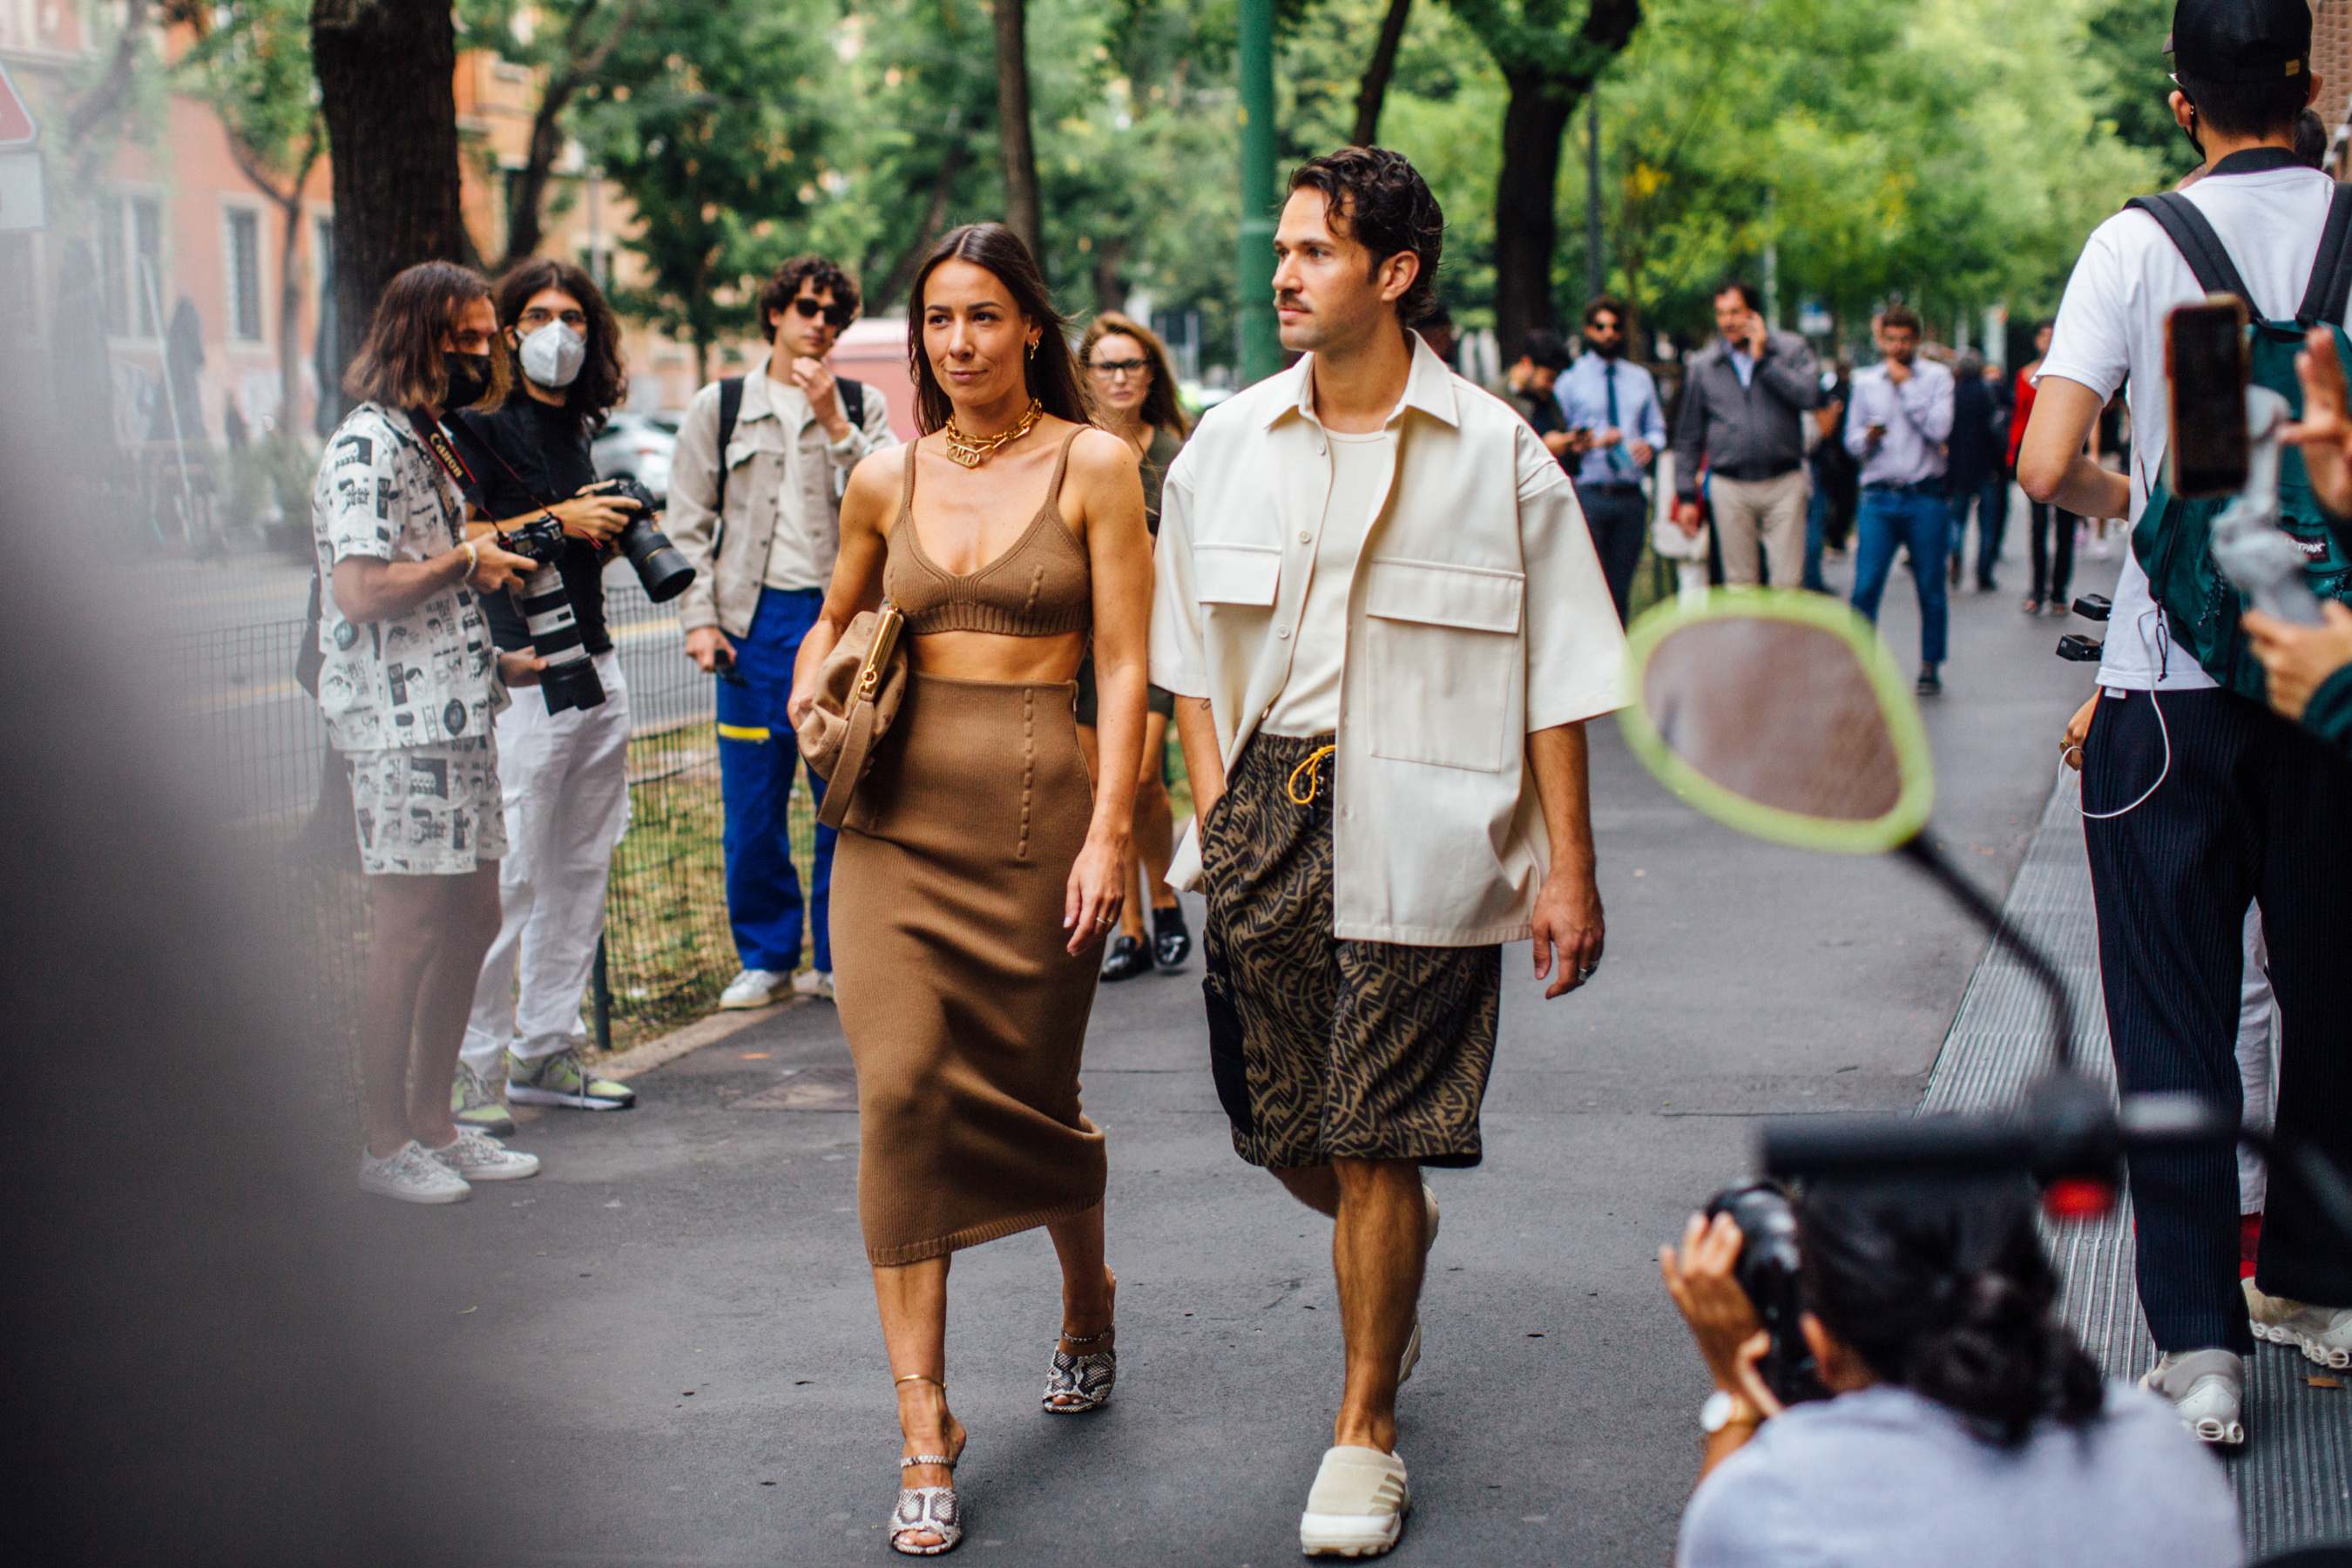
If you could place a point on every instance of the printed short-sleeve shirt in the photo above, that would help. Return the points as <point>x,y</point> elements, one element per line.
<point>430,675</point>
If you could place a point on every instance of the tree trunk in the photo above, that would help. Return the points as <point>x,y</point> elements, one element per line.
<point>385,70</point>
<point>935,217</point>
<point>1375,88</point>
<point>290,292</point>
<point>1526,231</point>
<point>1019,154</point>
<point>1110,289</point>
<point>524,225</point>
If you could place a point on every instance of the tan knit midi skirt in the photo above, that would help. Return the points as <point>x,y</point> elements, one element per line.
<point>965,1014</point>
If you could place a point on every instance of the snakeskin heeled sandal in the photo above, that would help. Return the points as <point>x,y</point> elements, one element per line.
<point>1079,1384</point>
<point>926,1511</point>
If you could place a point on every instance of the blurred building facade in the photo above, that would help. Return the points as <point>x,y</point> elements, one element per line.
<point>154,228</point>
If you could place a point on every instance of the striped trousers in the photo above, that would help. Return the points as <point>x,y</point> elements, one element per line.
<point>2250,808</point>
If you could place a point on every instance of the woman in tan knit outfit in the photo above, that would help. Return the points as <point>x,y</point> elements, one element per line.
<point>977,871</point>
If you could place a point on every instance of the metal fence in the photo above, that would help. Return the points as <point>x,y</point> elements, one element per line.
<point>257,744</point>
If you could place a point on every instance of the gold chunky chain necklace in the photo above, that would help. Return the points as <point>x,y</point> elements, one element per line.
<point>972,451</point>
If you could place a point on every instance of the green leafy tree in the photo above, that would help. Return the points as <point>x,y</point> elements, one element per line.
<point>568,42</point>
<point>712,118</point>
<point>1549,66</point>
<point>2132,80</point>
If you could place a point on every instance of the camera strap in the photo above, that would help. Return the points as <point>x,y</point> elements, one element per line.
<point>444,451</point>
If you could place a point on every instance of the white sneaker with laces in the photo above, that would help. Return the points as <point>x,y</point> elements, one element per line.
<point>2207,1388</point>
<point>412,1175</point>
<point>478,1157</point>
<point>755,988</point>
<point>1358,1505</point>
<point>817,983</point>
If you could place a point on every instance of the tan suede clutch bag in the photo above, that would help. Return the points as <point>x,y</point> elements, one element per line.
<point>859,688</point>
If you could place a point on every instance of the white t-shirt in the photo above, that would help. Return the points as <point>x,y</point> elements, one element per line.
<point>793,558</point>
<point>2111,329</point>
<point>1309,703</point>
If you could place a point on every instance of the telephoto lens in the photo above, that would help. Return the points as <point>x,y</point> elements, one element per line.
<point>570,679</point>
<point>663,572</point>
<point>1769,1271</point>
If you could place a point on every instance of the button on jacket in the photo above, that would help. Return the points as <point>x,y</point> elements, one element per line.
<point>757,500</point>
<point>1477,614</point>
<point>1747,431</point>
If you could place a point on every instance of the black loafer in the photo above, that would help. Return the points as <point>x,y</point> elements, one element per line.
<point>1126,960</point>
<point>1171,940</point>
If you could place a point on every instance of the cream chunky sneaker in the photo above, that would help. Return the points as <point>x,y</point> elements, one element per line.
<point>1358,1506</point>
<point>2323,1334</point>
<point>2207,1388</point>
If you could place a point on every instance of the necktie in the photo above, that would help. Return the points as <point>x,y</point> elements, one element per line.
<point>1620,462</point>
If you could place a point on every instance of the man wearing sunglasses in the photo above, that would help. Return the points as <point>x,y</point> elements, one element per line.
<point>755,505</point>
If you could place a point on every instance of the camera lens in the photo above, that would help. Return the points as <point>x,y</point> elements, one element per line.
<point>663,572</point>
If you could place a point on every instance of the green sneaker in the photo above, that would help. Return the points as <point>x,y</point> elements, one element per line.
<point>474,1101</point>
<point>562,1079</point>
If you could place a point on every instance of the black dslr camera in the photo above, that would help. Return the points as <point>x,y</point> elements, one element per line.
<point>659,566</point>
<point>570,679</point>
<point>1768,1272</point>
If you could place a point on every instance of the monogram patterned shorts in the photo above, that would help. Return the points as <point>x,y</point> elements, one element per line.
<point>427,810</point>
<point>1324,1047</point>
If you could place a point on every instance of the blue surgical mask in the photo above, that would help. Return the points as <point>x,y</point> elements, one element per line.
<point>553,355</point>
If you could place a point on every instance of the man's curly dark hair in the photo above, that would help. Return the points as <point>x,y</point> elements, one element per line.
<point>1379,199</point>
<point>780,291</point>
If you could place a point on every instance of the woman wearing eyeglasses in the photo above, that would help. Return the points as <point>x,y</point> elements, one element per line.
<point>1134,398</point>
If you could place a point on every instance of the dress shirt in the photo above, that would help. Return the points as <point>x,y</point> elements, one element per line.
<point>1583,392</point>
<point>1477,614</point>
<point>1743,365</point>
<point>1917,415</point>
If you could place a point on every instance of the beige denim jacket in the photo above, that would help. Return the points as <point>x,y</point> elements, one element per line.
<point>757,504</point>
<point>1477,614</point>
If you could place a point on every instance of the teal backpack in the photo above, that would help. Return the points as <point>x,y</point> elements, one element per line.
<point>2201,606</point>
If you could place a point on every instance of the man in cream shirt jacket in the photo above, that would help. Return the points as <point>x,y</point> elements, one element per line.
<point>1385,625</point>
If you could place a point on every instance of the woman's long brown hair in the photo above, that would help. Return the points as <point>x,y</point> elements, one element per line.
<point>1052,370</point>
<point>1160,409</point>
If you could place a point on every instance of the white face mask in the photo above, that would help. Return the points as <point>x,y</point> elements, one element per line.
<point>553,355</point>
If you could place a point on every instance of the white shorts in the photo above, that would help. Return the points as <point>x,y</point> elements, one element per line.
<point>430,811</point>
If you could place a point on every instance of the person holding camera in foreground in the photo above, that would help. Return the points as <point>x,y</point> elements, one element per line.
<point>565,772</point>
<point>407,686</point>
<point>1953,1420</point>
<point>2196,800</point>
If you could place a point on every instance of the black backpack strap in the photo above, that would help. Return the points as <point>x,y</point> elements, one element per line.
<point>2198,245</point>
<point>2331,277</point>
<point>853,400</point>
<point>730,409</point>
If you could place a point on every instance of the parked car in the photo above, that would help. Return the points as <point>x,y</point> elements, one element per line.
<point>639,447</point>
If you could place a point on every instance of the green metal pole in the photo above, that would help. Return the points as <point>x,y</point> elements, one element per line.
<point>1261,352</point>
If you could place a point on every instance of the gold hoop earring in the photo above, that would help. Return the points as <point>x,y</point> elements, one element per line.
<point>1033,348</point>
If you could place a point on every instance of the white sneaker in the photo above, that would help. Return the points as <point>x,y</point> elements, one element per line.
<point>1358,1505</point>
<point>2323,1334</point>
<point>817,983</point>
<point>412,1175</point>
<point>2207,1388</point>
<point>755,988</point>
<point>478,1157</point>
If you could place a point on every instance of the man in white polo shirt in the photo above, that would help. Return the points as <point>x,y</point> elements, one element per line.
<point>1385,625</point>
<point>2197,800</point>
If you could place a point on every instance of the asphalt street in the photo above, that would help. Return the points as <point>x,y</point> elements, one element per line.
<point>664,1348</point>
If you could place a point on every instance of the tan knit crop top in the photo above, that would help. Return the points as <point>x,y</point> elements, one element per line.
<point>1042,588</point>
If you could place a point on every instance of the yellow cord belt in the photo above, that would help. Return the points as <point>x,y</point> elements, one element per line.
<point>1313,768</point>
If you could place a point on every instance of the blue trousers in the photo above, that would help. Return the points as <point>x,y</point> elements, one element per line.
<point>1817,518</point>
<point>757,758</point>
<point>1890,519</point>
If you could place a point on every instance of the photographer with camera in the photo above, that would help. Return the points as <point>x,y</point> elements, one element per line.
<point>1931,1408</point>
<point>755,505</point>
<point>563,763</point>
<point>408,683</point>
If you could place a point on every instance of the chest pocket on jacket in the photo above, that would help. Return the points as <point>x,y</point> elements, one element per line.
<point>1442,647</point>
<point>1236,574</point>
